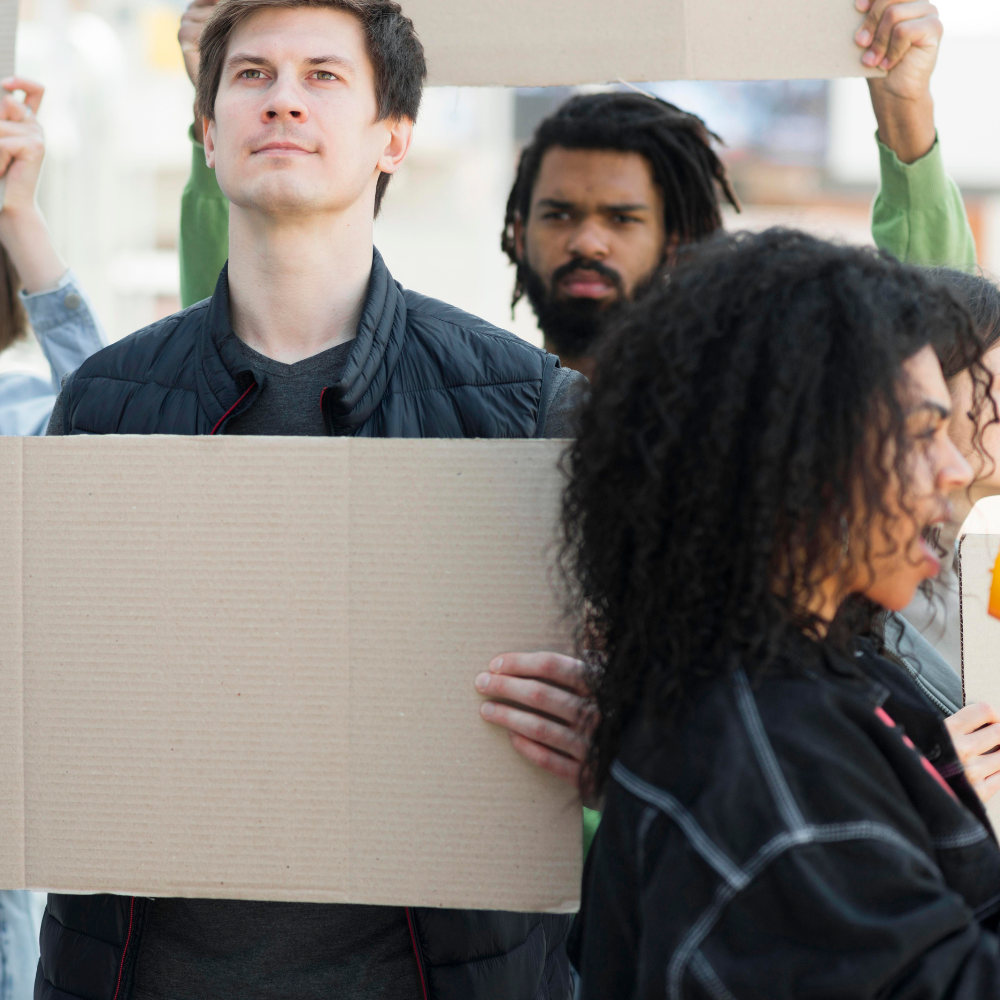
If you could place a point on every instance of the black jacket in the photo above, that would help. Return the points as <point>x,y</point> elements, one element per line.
<point>787,839</point>
<point>419,368</point>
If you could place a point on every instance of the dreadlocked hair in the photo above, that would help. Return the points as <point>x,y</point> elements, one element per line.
<point>676,144</point>
<point>744,442</point>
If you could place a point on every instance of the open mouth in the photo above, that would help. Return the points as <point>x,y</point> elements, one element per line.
<point>930,556</point>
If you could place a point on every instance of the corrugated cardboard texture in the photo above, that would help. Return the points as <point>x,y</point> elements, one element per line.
<point>980,631</point>
<point>529,43</point>
<point>11,677</point>
<point>248,670</point>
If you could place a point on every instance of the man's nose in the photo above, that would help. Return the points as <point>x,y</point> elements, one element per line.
<point>285,102</point>
<point>588,241</point>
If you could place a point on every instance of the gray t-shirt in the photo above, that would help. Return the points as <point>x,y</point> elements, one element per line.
<point>217,949</point>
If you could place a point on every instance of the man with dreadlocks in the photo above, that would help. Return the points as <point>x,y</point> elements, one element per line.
<point>613,183</point>
<point>610,185</point>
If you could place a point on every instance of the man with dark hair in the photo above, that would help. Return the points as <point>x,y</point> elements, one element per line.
<point>607,189</point>
<point>307,108</point>
<point>612,184</point>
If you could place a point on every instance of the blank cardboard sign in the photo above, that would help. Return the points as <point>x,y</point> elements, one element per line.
<point>980,631</point>
<point>243,668</point>
<point>540,43</point>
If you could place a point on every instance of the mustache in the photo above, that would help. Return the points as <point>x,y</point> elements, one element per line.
<point>583,264</point>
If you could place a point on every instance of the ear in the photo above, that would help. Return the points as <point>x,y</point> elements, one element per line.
<point>519,238</point>
<point>400,136</point>
<point>208,131</point>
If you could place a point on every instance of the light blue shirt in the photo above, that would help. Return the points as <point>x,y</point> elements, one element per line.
<point>68,333</point>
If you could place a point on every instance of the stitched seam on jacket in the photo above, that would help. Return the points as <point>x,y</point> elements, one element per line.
<point>696,836</point>
<point>85,934</point>
<point>709,978</point>
<point>463,385</point>
<point>774,848</point>
<point>965,839</point>
<point>132,381</point>
<point>783,797</point>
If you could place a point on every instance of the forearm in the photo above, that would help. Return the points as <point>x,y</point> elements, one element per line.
<point>28,244</point>
<point>905,125</point>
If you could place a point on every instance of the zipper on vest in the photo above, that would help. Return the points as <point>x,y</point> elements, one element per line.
<point>128,940</point>
<point>416,953</point>
<point>222,419</point>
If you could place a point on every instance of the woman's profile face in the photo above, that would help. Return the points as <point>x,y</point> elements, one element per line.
<point>985,460</point>
<point>899,558</point>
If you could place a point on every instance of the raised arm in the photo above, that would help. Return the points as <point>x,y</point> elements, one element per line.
<point>918,215</point>
<point>57,309</point>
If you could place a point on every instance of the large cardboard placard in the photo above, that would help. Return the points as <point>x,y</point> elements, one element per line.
<point>538,43</point>
<point>980,631</point>
<point>244,668</point>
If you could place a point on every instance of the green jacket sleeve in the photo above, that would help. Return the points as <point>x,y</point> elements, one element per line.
<point>919,216</point>
<point>204,239</point>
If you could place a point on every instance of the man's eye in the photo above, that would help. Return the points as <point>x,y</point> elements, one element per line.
<point>323,74</point>
<point>621,219</point>
<point>252,74</point>
<point>560,216</point>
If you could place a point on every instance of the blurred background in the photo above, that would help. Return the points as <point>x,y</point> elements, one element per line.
<point>118,108</point>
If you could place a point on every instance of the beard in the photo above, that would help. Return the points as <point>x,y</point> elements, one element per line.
<point>573,326</point>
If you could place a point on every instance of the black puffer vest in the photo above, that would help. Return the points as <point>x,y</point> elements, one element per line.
<point>419,368</point>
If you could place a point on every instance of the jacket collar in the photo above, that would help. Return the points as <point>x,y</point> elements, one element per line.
<point>224,374</point>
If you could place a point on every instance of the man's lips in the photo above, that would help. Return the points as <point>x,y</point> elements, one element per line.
<point>282,148</point>
<point>585,285</point>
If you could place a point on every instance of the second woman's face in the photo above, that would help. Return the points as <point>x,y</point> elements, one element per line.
<point>985,460</point>
<point>898,557</point>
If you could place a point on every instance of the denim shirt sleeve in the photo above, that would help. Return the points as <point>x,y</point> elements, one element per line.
<point>68,334</point>
<point>65,326</point>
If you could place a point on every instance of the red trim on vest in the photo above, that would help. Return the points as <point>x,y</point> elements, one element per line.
<point>128,938</point>
<point>416,953</point>
<point>231,408</point>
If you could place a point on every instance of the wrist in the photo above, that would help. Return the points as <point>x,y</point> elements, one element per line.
<point>905,124</point>
<point>26,239</point>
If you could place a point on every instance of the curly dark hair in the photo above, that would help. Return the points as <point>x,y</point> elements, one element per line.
<point>728,440</point>
<point>678,146</point>
<point>982,298</point>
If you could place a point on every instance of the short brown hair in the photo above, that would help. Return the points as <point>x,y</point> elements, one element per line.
<point>395,51</point>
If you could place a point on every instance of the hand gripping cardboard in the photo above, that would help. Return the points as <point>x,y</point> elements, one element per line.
<point>243,668</point>
<point>531,43</point>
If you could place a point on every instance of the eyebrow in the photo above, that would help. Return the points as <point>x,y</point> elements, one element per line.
<point>556,203</point>
<point>254,60</point>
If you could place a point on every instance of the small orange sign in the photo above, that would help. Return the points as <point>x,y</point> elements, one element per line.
<point>994,607</point>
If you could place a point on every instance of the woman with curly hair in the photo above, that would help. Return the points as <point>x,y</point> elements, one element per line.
<point>785,816</point>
